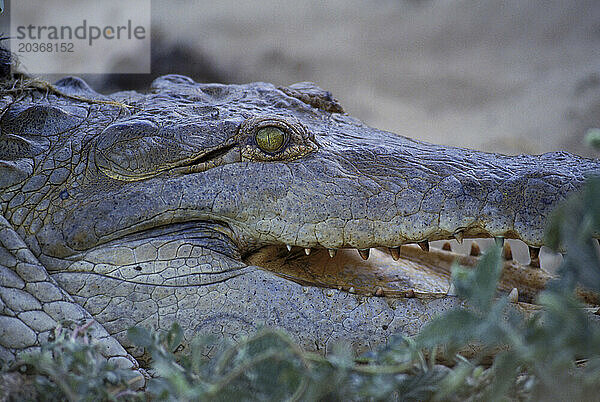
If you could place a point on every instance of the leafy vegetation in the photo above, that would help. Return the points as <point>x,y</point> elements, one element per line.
<point>70,367</point>
<point>551,355</point>
<point>592,137</point>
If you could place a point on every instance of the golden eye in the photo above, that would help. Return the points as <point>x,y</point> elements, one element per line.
<point>270,139</point>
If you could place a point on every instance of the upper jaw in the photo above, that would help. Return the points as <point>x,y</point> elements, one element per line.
<point>378,190</point>
<point>359,190</point>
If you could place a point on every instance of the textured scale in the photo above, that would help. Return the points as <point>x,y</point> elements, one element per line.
<point>146,209</point>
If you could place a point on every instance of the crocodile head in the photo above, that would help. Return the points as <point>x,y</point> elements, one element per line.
<point>225,207</point>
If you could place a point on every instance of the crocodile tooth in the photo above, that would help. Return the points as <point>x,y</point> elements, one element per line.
<point>364,252</point>
<point>307,251</point>
<point>459,237</point>
<point>513,296</point>
<point>507,252</point>
<point>475,249</point>
<point>534,257</point>
<point>395,252</point>
<point>447,246</point>
<point>289,247</point>
<point>499,241</point>
<point>424,245</point>
<point>451,291</point>
<point>331,252</point>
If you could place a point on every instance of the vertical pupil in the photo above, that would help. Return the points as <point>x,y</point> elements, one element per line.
<point>270,138</point>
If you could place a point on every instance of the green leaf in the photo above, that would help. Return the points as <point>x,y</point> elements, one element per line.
<point>505,375</point>
<point>140,337</point>
<point>174,337</point>
<point>591,201</point>
<point>478,286</point>
<point>453,381</point>
<point>572,227</point>
<point>592,138</point>
<point>455,329</point>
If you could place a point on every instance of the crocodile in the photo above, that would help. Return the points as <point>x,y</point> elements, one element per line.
<point>230,207</point>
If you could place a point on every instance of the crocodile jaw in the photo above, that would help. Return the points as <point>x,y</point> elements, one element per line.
<point>154,231</point>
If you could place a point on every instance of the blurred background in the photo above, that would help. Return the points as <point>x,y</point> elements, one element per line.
<point>503,76</point>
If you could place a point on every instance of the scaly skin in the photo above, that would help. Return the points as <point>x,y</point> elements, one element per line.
<point>145,209</point>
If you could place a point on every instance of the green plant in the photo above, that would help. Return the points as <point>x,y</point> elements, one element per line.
<point>71,367</point>
<point>269,366</point>
<point>592,137</point>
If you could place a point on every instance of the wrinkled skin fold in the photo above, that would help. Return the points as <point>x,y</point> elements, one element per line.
<point>146,209</point>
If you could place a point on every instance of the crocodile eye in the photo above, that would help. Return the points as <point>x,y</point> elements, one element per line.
<point>270,139</point>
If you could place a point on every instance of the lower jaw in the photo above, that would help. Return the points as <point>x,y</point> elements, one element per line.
<point>417,273</point>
